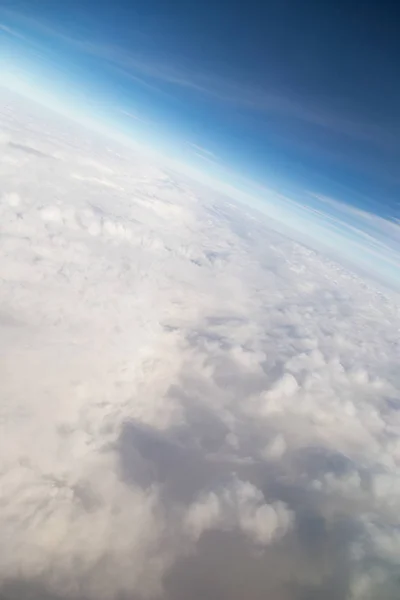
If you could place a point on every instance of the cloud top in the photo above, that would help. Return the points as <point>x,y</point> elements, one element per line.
<point>192,403</point>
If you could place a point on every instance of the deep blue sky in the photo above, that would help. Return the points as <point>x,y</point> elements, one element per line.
<point>310,88</point>
<point>298,95</point>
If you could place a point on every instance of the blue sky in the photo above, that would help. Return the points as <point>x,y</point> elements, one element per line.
<point>294,103</point>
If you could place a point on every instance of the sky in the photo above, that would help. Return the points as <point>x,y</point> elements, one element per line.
<point>299,98</point>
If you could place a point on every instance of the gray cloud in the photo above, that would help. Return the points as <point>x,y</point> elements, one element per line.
<point>28,150</point>
<point>192,404</point>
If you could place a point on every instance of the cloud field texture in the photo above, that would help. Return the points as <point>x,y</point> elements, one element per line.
<point>192,405</point>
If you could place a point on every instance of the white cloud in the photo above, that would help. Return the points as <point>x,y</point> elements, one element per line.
<point>203,151</point>
<point>204,514</point>
<point>240,506</point>
<point>275,449</point>
<point>171,368</point>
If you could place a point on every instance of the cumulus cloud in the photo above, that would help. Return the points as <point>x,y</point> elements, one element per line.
<point>242,505</point>
<point>192,404</point>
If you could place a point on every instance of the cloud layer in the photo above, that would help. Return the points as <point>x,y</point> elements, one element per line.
<point>192,405</point>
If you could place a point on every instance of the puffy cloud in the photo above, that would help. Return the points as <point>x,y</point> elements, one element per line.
<point>189,399</point>
<point>204,514</point>
<point>242,506</point>
<point>275,448</point>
